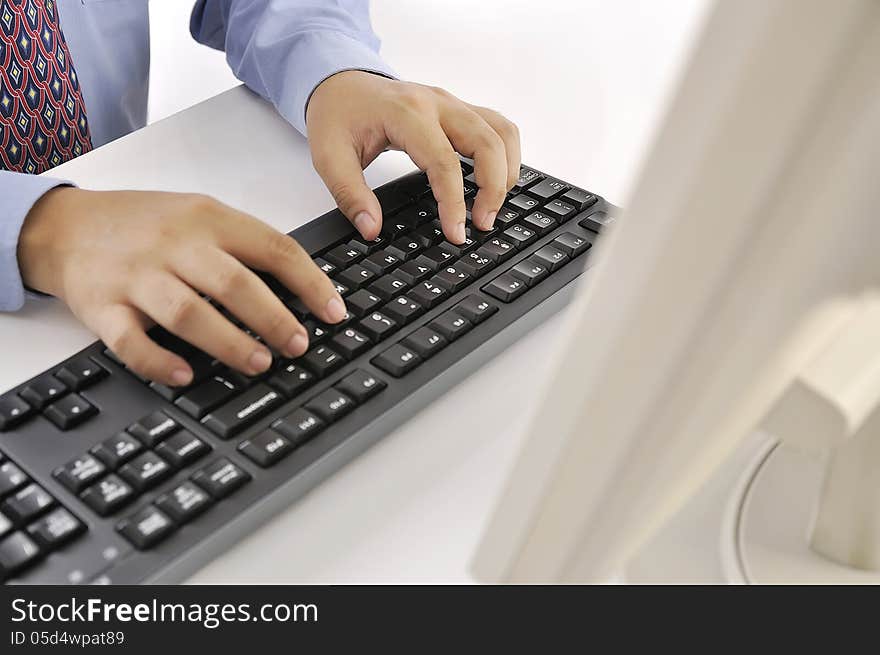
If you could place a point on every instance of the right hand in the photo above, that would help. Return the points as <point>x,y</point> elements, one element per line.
<point>123,260</point>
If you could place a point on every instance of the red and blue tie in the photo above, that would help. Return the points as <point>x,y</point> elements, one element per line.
<point>42,115</point>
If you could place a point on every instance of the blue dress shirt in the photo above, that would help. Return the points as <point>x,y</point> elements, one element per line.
<point>282,49</point>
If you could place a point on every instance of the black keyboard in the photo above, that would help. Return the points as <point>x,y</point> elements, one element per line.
<point>108,478</point>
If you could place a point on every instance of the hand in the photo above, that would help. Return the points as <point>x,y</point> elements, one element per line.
<point>122,260</point>
<point>353,116</point>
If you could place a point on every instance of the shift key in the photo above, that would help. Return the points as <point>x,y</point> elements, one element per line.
<point>235,415</point>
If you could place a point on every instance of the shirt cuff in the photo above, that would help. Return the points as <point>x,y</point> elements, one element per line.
<point>19,192</point>
<point>320,55</point>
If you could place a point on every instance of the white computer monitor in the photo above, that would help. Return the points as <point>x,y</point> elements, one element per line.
<point>753,230</point>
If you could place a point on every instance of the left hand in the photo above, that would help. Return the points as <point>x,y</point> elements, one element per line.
<point>353,116</point>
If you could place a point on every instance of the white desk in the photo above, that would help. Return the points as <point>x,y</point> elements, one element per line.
<point>585,82</point>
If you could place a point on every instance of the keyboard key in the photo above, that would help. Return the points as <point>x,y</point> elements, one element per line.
<point>520,235</point>
<point>475,309</point>
<point>16,552</point>
<point>522,203</point>
<point>80,373</point>
<point>475,264</point>
<point>398,360</point>
<point>560,210</point>
<point>597,221</point>
<point>381,262</point>
<point>426,342</point>
<point>145,471</point>
<point>168,393</point>
<point>579,198</point>
<point>351,343</point>
<point>406,248</point>
<point>362,301</point>
<point>11,478</point>
<point>291,379</point>
<point>391,229</point>
<point>56,528</point>
<point>548,188</point>
<point>377,326</point>
<point>572,244</point>
<point>5,525</point>
<point>457,250</point>
<point>185,502</point>
<point>420,213</point>
<point>341,289</point>
<point>322,360</point>
<point>530,271</point>
<point>505,287</point>
<point>266,448</point>
<point>79,473</point>
<point>146,528</point>
<point>452,278</point>
<point>330,405</point>
<point>151,429</point>
<point>343,256</point>
<point>325,266</point>
<point>508,215</point>
<point>360,385</point>
<point>43,390</point>
<point>551,257</point>
<point>428,294</point>
<point>211,393</point>
<point>240,412</point>
<point>221,478</point>
<point>117,450</point>
<point>429,235</point>
<point>26,504</point>
<point>299,426</point>
<point>367,247</point>
<point>182,448</point>
<point>481,236</point>
<point>527,177</point>
<point>541,222</point>
<point>413,272</point>
<point>13,412</point>
<point>388,286</point>
<point>439,255</point>
<point>70,411</point>
<point>354,277</point>
<point>498,250</point>
<point>451,325</point>
<point>318,332</point>
<point>403,309</point>
<point>108,495</point>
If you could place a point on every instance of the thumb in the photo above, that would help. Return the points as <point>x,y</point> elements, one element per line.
<point>339,166</point>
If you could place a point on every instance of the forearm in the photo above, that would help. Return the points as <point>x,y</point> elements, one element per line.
<point>284,50</point>
<point>18,194</point>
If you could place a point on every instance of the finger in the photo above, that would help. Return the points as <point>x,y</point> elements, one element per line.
<point>430,149</point>
<point>336,161</point>
<point>122,328</point>
<point>261,247</point>
<point>242,292</point>
<point>474,137</point>
<point>509,133</point>
<point>176,307</point>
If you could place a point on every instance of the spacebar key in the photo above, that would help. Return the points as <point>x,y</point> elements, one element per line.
<point>243,410</point>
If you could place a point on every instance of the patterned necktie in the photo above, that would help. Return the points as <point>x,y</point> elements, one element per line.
<point>42,115</point>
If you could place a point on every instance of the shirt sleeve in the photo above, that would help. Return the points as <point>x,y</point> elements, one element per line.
<point>18,193</point>
<point>283,49</point>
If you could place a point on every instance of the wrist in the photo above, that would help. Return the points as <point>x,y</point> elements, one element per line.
<point>38,254</point>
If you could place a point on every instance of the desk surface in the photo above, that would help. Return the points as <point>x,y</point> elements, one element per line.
<point>585,82</point>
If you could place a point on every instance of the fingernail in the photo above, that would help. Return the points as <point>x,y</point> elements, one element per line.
<point>489,220</point>
<point>335,309</point>
<point>260,360</point>
<point>459,233</point>
<point>364,223</point>
<point>181,377</point>
<point>297,345</point>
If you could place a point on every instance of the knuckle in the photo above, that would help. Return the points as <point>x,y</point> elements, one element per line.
<point>284,247</point>
<point>199,203</point>
<point>180,311</point>
<point>413,99</point>
<point>344,194</point>
<point>230,281</point>
<point>278,324</point>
